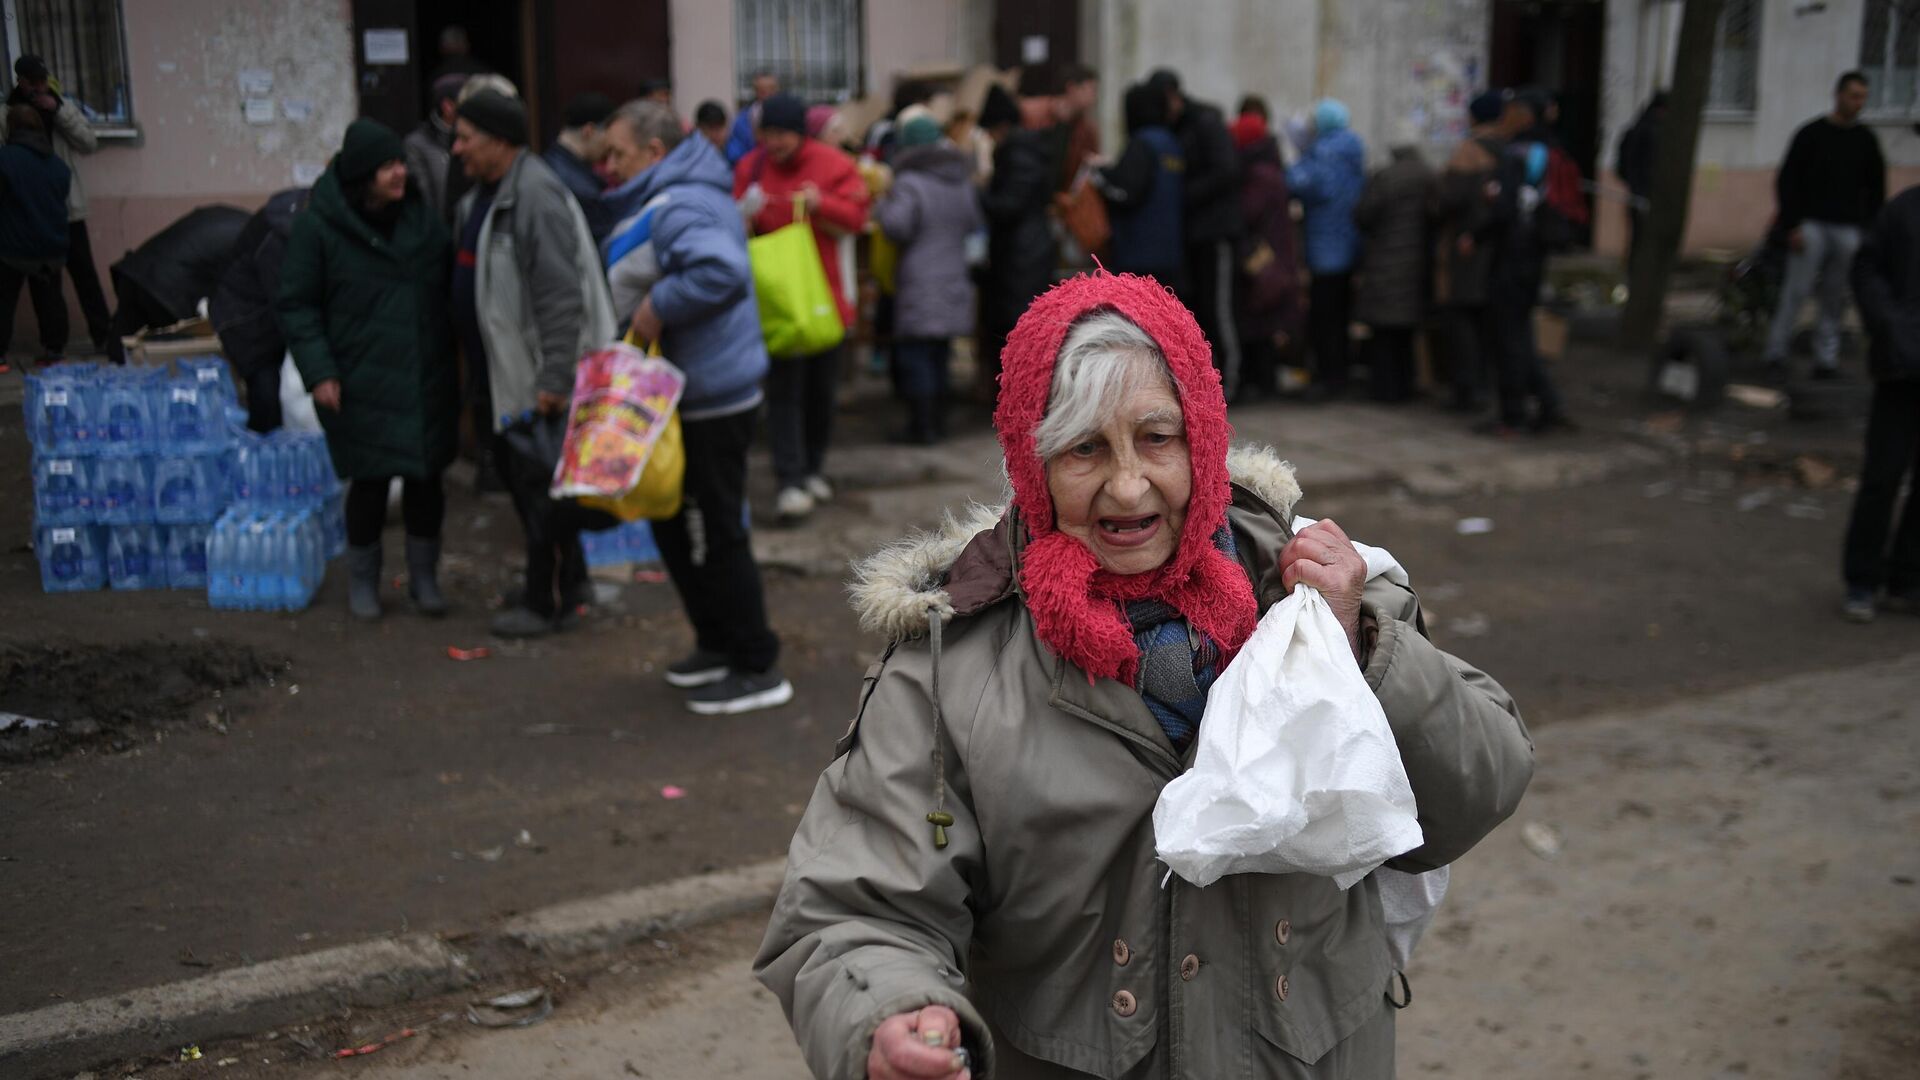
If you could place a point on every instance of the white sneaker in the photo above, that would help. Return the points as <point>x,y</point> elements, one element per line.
<point>793,504</point>
<point>820,489</point>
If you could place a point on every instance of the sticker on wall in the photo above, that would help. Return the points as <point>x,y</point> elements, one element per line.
<point>385,46</point>
<point>259,110</point>
<point>255,82</point>
<point>297,110</point>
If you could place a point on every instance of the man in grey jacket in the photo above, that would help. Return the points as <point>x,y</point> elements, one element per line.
<point>529,299</point>
<point>71,135</point>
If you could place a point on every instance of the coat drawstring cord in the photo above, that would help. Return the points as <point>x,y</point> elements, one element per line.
<point>939,818</point>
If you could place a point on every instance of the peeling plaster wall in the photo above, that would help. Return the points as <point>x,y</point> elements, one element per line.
<point>184,62</point>
<point>1406,68</point>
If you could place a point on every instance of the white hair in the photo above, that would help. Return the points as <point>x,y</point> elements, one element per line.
<point>499,84</point>
<point>1105,359</point>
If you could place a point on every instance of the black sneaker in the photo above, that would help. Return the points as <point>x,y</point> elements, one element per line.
<point>698,668</point>
<point>741,691</point>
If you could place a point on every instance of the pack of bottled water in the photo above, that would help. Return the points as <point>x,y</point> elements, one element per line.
<point>131,468</point>
<point>628,542</point>
<point>265,560</point>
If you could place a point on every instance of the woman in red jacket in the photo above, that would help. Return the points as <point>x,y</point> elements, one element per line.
<point>789,169</point>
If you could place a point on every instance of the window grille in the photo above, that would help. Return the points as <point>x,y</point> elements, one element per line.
<point>1890,53</point>
<point>813,46</point>
<point>84,45</point>
<point>1734,84</point>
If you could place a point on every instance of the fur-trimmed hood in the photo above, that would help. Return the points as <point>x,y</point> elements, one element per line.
<point>894,588</point>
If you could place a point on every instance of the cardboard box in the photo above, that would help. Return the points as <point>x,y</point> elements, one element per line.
<point>157,345</point>
<point>1549,334</point>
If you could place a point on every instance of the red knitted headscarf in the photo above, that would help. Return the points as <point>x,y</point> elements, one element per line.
<point>1078,608</point>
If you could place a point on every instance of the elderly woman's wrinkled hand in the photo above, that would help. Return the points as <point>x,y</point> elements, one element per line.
<point>1320,555</point>
<point>918,1045</point>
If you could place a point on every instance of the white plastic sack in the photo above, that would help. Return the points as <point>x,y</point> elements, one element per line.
<point>1296,770</point>
<point>296,405</point>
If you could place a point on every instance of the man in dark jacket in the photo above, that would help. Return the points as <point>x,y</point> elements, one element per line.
<point>33,228</point>
<point>1213,226</point>
<point>70,135</point>
<point>164,279</point>
<point>1529,400</point>
<point>699,304</point>
<point>580,148</point>
<point>1020,248</point>
<point>430,148</point>
<point>1392,216</point>
<point>1635,166</point>
<point>242,305</point>
<point>1829,188</point>
<point>1886,285</point>
<point>1464,249</point>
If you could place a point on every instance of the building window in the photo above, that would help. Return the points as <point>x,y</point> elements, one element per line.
<point>85,47</point>
<point>814,46</point>
<point>1734,86</point>
<point>1889,53</point>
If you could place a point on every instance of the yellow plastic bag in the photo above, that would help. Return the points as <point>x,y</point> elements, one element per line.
<point>657,494</point>
<point>798,315</point>
<point>883,259</point>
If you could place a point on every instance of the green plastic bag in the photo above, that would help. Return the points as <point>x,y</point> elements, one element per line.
<point>798,316</point>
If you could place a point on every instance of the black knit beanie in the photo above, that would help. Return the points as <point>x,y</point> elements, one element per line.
<point>784,112</point>
<point>369,144</point>
<point>498,115</point>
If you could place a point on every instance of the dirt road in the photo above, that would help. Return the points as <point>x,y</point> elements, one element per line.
<point>1734,896</point>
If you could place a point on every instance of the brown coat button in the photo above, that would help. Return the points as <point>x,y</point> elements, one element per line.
<point>1282,930</point>
<point>1121,954</point>
<point>1189,968</point>
<point>1282,987</point>
<point>1124,1005</point>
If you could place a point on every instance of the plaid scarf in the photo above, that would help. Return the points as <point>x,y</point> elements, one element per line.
<point>1178,663</point>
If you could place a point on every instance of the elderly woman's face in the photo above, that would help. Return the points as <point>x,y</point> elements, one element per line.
<point>1123,490</point>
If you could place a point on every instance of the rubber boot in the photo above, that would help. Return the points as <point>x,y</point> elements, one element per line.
<point>363,582</point>
<point>423,576</point>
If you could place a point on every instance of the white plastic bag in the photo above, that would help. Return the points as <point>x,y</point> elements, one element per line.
<point>296,405</point>
<point>1297,770</point>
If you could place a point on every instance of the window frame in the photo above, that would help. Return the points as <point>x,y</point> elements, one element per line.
<point>1713,113</point>
<point>1881,74</point>
<point>116,129</point>
<point>856,44</point>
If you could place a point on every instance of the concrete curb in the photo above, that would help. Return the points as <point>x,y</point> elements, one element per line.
<point>62,1039</point>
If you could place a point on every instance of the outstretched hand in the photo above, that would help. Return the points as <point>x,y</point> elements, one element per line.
<point>1320,555</point>
<point>918,1045</point>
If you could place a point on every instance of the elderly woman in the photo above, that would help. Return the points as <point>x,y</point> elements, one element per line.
<point>976,870</point>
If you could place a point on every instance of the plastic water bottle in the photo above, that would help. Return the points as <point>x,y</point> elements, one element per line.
<point>220,575</point>
<point>190,416</point>
<point>62,491</point>
<point>122,491</point>
<point>62,411</point>
<point>125,423</point>
<point>134,558</point>
<point>186,549</point>
<point>333,525</point>
<point>183,489</point>
<point>72,558</point>
<point>210,373</point>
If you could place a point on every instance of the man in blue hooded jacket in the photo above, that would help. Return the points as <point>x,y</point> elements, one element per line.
<point>1328,180</point>
<point>678,265</point>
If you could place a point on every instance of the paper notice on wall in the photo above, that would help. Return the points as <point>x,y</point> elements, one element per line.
<point>1034,49</point>
<point>259,110</point>
<point>297,110</point>
<point>385,46</point>
<point>306,172</point>
<point>255,82</point>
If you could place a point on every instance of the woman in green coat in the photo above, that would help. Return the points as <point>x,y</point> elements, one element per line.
<point>363,301</point>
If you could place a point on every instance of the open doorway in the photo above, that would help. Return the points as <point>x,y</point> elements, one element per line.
<point>493,28</point>
<point>1557,45</point>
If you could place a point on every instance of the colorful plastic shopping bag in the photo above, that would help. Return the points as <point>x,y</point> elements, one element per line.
<point>623,451</point>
